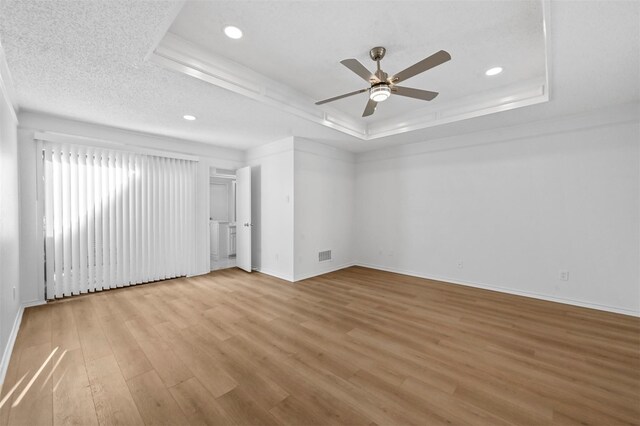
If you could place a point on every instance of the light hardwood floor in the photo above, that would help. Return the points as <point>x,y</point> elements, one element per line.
<point>353,347</point>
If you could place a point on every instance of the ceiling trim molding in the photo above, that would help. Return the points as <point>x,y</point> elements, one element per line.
<point>7,87</point>
<point>178,54</point>
<point>602,117</point>
<point>164,27</point>
<point>514,97</point>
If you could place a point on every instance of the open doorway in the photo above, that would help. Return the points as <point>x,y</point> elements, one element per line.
<point>222,218</point>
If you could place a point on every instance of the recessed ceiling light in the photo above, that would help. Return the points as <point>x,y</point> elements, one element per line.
<point>233,32</point>
<point>189,117</point>
<point>494,71</point>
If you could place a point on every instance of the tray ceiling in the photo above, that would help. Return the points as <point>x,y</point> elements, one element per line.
<point>85,60</point>
<point>290,53</point>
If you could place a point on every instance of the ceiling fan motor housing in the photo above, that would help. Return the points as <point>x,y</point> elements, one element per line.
<point>377,53</point>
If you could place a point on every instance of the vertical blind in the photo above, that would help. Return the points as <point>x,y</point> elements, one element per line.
<point>115,219</point>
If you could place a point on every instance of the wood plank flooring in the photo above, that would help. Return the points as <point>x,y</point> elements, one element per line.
<point>353,347</point>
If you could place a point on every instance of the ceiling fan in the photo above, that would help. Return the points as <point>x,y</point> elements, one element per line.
<point>382,85</point>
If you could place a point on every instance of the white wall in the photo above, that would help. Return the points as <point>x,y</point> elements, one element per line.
<point>31,253</point>
<point>272,201</point>
<point>515,206</point>
<point>324,205</point>
<point>302,202</point>
<point>9,221</point>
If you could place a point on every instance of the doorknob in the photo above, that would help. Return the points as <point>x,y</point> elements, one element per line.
<point>247,224</point>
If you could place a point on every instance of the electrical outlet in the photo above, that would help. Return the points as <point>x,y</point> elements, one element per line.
<point>564,275</point>
<point>460,264</point>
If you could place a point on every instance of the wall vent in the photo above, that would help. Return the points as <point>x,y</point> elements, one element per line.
<point>324,256</point>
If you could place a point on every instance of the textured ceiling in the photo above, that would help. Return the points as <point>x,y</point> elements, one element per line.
<point>85,60</point>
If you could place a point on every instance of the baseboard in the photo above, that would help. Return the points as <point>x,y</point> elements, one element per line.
<point>332,269</point>
<point>304,276</point>
<point>506,290</point>
<point>274,274</point>
<point>8,350</point>
<point>33,303</point>
<point>6,356</point>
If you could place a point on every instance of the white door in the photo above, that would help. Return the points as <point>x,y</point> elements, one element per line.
<point>243,219</point>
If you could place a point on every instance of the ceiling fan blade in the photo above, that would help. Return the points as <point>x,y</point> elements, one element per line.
<point>370,108</point>
<point>341,96</point>
<point>422,66</point>
<point>355,66</point>
<point>409,92</point>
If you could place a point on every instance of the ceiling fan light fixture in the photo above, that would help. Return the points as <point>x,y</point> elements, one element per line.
<point>379,93</point>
